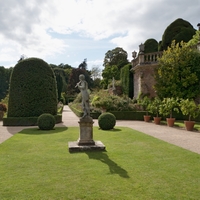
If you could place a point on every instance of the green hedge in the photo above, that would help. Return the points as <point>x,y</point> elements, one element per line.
<point>126,78</point>
<point>26,121</point>
<point>32,89</point>
<point>78,113</point>
<point>131,115</point>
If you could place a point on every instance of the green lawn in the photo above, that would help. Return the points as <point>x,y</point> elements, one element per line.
<point>37,165</point>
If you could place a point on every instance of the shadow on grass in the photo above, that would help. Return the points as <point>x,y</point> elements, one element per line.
<point>37,131</point>
<point>112,130</point>
<point>113,167</point>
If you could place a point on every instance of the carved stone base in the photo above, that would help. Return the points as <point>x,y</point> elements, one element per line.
<point>75,147</point>
<point>86,131</point>
<point>85,141</point>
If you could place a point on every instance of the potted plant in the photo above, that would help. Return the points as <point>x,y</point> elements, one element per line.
<point>3,109</point>
<point>166,109</point>
<point>145,102</point>
<point>154,107</point>
<point>190,109</point>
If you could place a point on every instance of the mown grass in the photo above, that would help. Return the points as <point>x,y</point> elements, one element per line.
<point>37,165</point>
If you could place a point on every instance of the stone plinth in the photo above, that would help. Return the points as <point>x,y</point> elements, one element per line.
<point>75,147</point>
<point>86,131</point>
<point>85,141</point>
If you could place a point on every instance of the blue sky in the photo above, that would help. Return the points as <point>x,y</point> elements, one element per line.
<point>68,31</point>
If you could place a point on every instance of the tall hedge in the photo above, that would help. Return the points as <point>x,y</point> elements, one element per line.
<point>126,77</point>
<point>32,89</point>
<point>179,30</point>
<point>150,45</point>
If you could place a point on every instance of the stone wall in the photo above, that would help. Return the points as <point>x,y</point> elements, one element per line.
<point>144,79</point>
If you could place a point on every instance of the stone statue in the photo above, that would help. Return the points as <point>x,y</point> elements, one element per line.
<point>83,87</point>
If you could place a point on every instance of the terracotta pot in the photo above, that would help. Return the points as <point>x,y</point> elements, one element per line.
<point>170,121</point>
<point>157,120</point>
<point>189,125</point>
<point>147,118</point>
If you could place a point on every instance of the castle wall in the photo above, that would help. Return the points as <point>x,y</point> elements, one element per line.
<point>144,80</point>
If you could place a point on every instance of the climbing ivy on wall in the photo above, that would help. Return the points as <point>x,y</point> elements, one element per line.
<point>126,78</point>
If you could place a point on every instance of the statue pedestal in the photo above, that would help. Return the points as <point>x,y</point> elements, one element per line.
<point>86,131</point>
<point>85,141</point>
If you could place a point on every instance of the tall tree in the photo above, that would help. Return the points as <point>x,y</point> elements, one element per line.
<point>83,65</point>
<point>5,74</point>
<point>178,73</point>
<point>60,81</point>
<point>108,73</point>
<point>117,56</point>
<point>194,40</point>
<point>95,72</point>
<point>74,79</point>
<point>126,78</point>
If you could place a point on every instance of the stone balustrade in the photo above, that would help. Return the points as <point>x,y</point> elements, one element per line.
<point>152,57</point>
<point>146,58</point>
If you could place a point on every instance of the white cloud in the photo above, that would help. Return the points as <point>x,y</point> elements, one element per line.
<point>28,27</point>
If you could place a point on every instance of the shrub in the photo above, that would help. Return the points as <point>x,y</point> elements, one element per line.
<point>110,102</point>
<point>189,108</point>
<point>106,121</point>
<point>151,45</point>
<point>32,89</point>
<point>3,107</point>
<point>154,107</point>
<point>46,121</point>
<point>145,102</point>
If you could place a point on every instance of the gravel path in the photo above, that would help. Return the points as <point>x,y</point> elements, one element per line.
<point>179,137</point>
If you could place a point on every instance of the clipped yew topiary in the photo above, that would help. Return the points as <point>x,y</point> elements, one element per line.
<point>46,121</point>
<point>106,121</point>
<point>179,30</point>
<point>32,89</point>
<point>151,45</point>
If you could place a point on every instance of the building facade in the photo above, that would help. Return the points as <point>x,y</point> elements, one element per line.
<point>143,67</point>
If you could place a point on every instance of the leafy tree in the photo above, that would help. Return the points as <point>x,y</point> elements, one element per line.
<point>60,81</point>
<point>195,39</point>
<point>61,66</point>
<point>179,30</point>
<point>68,72</point>
<point>64,66</point>
<point>74,79</point>
<point>108,73</point>
<point>178,73</point>
<point>117,56</point>
<point>97,83</point>
<point>96,77</point>
<point>62,71</point>
<point>83,65</point>
<point>4,81</point>
<point>95,72</point>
